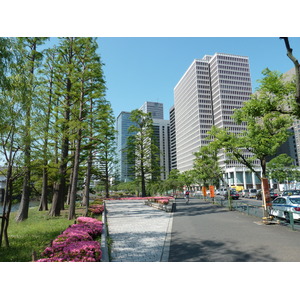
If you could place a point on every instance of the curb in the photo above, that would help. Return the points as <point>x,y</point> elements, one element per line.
<point>167,242</point>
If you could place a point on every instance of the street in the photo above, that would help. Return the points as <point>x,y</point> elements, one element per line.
<point>203,232</point>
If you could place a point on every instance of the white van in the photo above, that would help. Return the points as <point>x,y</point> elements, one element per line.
<point>251,193</point>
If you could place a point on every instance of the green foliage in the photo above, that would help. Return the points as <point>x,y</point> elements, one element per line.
<point>206,167</point>
<point>282,168</point>
<point>142,150</point>
<point>174,181</point>
<point>266,125</point>
<point>34,234</point>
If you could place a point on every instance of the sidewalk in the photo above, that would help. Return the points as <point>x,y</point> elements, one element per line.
<point>140,233</point>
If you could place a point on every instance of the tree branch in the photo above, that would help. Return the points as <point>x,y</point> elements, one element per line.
<point>296,64</point>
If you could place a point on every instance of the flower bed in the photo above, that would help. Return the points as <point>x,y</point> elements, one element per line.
<point>76,243</point>
<point>162,200</point>
<point>96,209</point>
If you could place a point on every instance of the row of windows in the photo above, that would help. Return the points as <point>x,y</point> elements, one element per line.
<point>205,68</point>
<point>232,58</point>
<point>234,73</point>
<point>236,92</point>
<point>202,77</point>
<point>202,73</point>
<point>223,62</point>
<point>208,121</point>
<point>200,96</point>
<point>203,81</point>
<point>222,67</point>
<point>233,102</point>
<point>235,82</point>
<point>235,78</point>
<point>204,106</point>
<point>243,99</point>
<point>205,87</point>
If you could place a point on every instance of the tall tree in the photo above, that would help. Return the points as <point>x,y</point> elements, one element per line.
<point>267,128</point>
<point>282,168</point>
<point>10,116</point>
<point>297,73</point>
<point>45,121</point>
<point>206,167</point>
<point>66,82</point>
<point>31,58</point>
<point>142,148</point>
<point>106,152</point>
<point>91,87</point>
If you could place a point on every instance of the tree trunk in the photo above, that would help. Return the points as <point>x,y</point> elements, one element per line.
<point>44,197</point>
<point>74,182</point>
<point>24,205</point>
<point>56,207</point>
<point>6,207</point>
<point>86,195</point>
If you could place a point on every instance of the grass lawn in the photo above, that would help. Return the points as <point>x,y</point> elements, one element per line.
<point>33,234</point>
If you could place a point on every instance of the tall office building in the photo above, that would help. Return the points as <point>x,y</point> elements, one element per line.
<point>173,157</point>
<point>155,108</point>
<point>162,136</point>
<point>123,122</point>
<point>207,95</point>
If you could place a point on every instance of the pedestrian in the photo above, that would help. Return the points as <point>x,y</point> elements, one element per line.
<point>187,197</point>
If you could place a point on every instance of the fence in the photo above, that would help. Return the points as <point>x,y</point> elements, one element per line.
<point>249,209</point>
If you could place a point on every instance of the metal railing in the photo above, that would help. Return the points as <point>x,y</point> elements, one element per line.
<point>249,209</point>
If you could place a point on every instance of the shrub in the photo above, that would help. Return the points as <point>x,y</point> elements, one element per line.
<point>76,243</point>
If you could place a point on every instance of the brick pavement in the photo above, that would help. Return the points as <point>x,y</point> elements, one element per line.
<point>140,233</point>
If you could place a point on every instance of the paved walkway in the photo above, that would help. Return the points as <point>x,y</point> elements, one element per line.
<point>140,233</point>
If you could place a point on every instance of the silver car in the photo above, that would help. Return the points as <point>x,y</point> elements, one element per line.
<point>282,205</point>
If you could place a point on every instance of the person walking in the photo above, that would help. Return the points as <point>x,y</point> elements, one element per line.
<point>187,197</point>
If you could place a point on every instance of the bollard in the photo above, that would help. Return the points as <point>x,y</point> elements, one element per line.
<point>291,220</point>
<point>247,209</point>
<point>173,206</point>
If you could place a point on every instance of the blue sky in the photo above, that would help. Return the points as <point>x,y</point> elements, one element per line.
<point>139,69</point>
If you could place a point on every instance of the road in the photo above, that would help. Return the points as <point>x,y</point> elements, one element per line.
<point>203,232</point>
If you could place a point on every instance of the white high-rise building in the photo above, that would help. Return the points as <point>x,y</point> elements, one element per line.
<point>155,108</point>
<point>206,95</point>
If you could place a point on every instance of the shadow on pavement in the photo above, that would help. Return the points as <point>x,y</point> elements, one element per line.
<point>214,251</point>
<point>195,208</point>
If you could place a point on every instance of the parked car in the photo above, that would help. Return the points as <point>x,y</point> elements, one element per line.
<point>234,195</point>
<point>273,195</point>
<point>244,192</point>
<point>251,193</point>
<point>282,205</point>
<point>223,191</point>
<point>291,192</point>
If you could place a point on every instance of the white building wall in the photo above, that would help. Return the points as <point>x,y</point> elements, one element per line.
<point>207,95</point>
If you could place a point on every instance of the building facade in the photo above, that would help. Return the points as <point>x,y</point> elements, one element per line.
<point>173,157</point>
<point>123,122</point>
<point>155,108</point>
<point>206,95</point>
<point>162,137</point>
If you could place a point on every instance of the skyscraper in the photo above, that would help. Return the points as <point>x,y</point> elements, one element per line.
<point>162,136</point>
<point>123,168</point>
<point>156,109</point>
<point>173,157</point>
<point>206,95</point>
